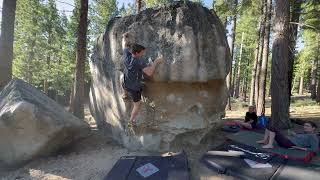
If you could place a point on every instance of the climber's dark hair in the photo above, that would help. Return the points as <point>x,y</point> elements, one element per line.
<point>136,48</point>
<point>311,123</point>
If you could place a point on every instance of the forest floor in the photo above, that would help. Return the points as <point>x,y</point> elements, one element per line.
<point>93,157</point>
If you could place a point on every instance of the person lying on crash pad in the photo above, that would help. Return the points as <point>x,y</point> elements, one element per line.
<point>307,141</point>
<point>250,120</point>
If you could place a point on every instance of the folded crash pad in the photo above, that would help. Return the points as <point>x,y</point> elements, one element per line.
<point>249,138</point>
<point>150,167</point>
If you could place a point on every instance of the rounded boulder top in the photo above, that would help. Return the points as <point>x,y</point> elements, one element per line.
<point>187,35</point>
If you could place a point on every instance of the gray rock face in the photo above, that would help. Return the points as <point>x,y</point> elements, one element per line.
<point>33,125</point>
<point>187,94</point>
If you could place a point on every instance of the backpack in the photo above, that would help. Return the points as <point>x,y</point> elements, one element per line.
<point>262,121</point>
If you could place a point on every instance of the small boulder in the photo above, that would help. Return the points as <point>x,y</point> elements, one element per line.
<point>33,125</point>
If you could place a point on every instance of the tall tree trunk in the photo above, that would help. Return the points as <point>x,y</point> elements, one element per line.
<point>46,83</point>
<point>259,51</point>
<point>225,25</point>
<point>31,57</point>
<point>229,76</point>
<point>237,88</point>
<point>242,82</point>
<point>264,64</point>
<point>253,73</point>
<point>301,86</point>
<point>234,74</point>
<point>314,71</point>
<point>313,85</point>
<point>293,35</point>
<point>244,85</point>
<point>269,93</point>
<point>279,79</point>
<point>78,97</point>
<point>318,58</point>
<point>138,4</point>
<point>318,92</point>
<point>246,81</point>
<point>253,87</point>
<point>294,84</point>
<point>71,101</point>
<point>6,41</point>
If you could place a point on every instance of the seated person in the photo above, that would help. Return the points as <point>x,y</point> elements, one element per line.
<point>251,119</point>
<point>307,141</point>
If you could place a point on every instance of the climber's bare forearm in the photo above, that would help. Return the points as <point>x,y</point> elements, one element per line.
<point>125,41</point>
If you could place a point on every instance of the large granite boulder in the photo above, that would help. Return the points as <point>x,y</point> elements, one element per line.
<point>187,95</point>
<point>33,125</point>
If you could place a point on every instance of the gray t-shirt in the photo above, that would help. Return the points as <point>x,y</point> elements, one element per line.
<point>133,71</point>
<point>309,141</point>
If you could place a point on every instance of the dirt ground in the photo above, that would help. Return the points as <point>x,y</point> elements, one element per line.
<point>93,157</point>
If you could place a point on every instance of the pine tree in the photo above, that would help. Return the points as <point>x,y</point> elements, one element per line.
<point>52,29</point>
<point>279,80</point>
<point>29,42</point>
<point>78,97</point>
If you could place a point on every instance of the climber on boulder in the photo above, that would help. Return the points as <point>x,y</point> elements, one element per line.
<point>134,66</point>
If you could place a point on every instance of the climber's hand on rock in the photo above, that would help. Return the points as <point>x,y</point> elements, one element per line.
<point>159,60</point>
<point>125,40</point>
<point>125,35</point>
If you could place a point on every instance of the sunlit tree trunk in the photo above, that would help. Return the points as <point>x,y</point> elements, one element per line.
<point>256,57</point>
<point>237,88</point>
<point>260,51</point>
<point>253,75</point>
<point>245,82</point>
<point>264,64</point>
<point>318,91</point>
<point>313,85</point>
<point>301,86</point>
<point>138,4</point>
<point>229,76</point>
<point>318,58</point>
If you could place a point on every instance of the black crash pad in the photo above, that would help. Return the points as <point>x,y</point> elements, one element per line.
<point>174,167</point>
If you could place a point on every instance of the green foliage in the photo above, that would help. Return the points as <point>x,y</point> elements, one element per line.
<point>247,23</point>
<point>44,46</point>
<point>223,8</point>
<point>131,9</point>
<point>100,12</point>
<point>156,3</point>
<point>226,8</point>
<point>311,14</point>
<point>310,34</point>
<point>28,62</point>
